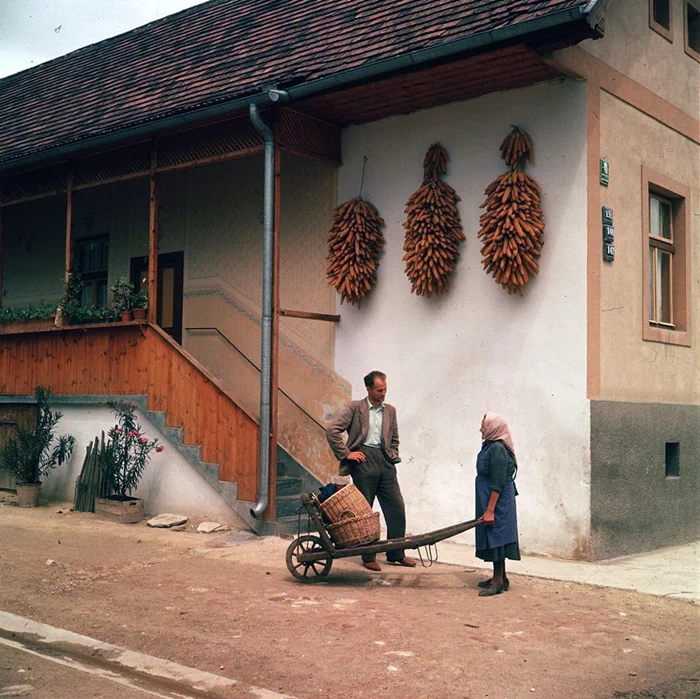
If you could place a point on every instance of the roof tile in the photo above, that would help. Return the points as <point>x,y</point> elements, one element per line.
<point>225,49</point>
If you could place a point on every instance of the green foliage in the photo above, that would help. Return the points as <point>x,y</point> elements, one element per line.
<point>43,311</point>
<point>28,455</point>
<point>123,293</point>
<point>127,452</point>
<point>140,299</point>
<point>77,314</point>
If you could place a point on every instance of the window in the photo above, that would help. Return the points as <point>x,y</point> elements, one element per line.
<point>692,28</point>
<point>673,460</point>
<point>666,259</point>
<point>661,17</point>
<point>92,259</point>
<point>661,252</point>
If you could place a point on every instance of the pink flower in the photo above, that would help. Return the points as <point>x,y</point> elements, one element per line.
<point>144,440</point>
<point>117,430</point>
<point>132,406</point>
<point>160,448</point>
<point>131,433</point>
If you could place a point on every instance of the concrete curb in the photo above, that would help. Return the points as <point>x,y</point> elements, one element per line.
<point>149,666</point>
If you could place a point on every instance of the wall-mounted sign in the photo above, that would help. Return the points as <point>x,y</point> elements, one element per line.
<point>608,252</point>
<point>604,172</point>
<point>608,234</point>
<point>607,216</point>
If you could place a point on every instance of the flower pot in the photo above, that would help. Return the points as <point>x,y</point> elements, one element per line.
<point>114,509</point>
<point>127,316</point>
<point>139,314</point>
<point>28,494</point>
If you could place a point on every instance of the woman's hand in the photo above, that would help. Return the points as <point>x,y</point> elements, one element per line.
<point>489,518</point>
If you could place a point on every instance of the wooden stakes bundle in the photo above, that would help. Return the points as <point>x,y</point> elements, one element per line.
<point>354,246</point>
<point>92,482</point>
<point>512,230</point>
<point>433,228</point>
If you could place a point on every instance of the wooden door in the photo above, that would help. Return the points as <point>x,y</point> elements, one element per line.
<point>170,286</point>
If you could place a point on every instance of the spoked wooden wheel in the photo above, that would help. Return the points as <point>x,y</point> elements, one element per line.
<point>312,572</point>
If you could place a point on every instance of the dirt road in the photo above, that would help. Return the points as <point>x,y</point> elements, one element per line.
<point>226,604</point>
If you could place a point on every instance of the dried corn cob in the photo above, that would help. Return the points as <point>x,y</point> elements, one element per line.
<point>512,230</point>
<point>433,228</point>
<point>355,243</point>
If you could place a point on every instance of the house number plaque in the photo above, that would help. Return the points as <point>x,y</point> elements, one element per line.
<point>608,235</point>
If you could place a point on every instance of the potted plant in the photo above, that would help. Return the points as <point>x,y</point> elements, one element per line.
<point>140,304</point>
<point>71,311</point>
<point>29,455</point>
<point>124,460</point>
<point>123,294</point>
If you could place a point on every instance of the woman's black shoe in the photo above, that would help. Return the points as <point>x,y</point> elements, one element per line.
<point>486,583</point>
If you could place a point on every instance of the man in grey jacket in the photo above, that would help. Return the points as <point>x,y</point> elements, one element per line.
<point>370,455</point>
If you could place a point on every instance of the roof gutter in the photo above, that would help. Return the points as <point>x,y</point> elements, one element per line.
<point>315,87</point>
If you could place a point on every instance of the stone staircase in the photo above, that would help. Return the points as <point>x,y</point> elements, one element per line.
<point>292,480</point>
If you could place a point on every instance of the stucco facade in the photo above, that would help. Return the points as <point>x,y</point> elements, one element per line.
<point>451,358</point>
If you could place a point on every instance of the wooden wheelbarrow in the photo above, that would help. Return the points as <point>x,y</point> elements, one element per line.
<point>310,557</point>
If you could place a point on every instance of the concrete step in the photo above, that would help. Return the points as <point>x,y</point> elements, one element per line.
<point>288,485</point>
<point>287,506</point>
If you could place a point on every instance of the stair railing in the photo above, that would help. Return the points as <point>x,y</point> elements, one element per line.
<point>257,368</point>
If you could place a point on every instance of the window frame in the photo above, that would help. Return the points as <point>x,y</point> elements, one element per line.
<point>689,50</point>
<point>678,195</point>
<point>667,246</point>
<point>93,275</point>
<point>666,33</point>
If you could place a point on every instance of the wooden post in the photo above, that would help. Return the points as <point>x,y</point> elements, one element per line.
<point>153,240</point>
<point>274,383</point>
<point>69,224</point>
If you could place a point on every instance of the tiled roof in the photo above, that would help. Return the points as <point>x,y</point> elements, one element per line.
<point>225,49</point>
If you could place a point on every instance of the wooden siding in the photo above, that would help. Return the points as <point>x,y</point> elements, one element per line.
<point>139,359</point>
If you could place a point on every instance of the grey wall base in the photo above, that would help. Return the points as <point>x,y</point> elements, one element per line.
<point>634,506</point>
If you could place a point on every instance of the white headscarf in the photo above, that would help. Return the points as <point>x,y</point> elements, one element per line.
<point>494,427</point>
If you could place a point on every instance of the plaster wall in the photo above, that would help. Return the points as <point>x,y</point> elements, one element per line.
<point>169,482</point>
<point>451,358</point>
<point>633,48</point>
<point>34,251</point>
<point>633,369</point>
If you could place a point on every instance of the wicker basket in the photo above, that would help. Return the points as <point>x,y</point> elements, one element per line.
<point>347,503</point>
<point>355,531</point>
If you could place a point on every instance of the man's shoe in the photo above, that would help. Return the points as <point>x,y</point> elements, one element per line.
<point>372,565</point>
<point>405,561</point>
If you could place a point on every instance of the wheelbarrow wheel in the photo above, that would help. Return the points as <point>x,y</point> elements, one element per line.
<point>311,572</point>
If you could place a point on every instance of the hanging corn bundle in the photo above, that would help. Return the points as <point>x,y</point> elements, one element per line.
<point>433,228</point>
<point>354,246</point>
<point>512,230</point>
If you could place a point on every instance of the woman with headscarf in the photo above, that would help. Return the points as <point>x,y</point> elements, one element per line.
<point>497,537</point>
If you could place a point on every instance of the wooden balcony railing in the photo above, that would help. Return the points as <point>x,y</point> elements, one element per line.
<point>138,359</point>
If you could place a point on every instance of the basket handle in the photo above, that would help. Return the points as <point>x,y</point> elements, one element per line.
<point>346,514</point>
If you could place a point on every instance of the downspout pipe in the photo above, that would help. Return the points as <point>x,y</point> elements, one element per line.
<point>266,326</point>
<point>587,13</point>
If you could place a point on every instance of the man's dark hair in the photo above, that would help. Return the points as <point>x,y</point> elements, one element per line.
<point>369,379</point>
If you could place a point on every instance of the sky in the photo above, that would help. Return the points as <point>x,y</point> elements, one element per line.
<point>35,31</point>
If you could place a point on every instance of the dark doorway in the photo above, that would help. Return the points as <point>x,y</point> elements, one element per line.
<point>170,284</point>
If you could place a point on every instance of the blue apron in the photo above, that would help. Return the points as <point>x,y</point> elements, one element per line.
<point>505,528</point>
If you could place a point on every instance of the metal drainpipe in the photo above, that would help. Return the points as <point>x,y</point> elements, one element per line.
<point>266,326</point>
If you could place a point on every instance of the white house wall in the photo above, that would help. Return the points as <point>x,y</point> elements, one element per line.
<point>451,358</point>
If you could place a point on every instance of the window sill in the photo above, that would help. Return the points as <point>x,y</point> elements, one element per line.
<point>666,336</point>
<point>661,30</point>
